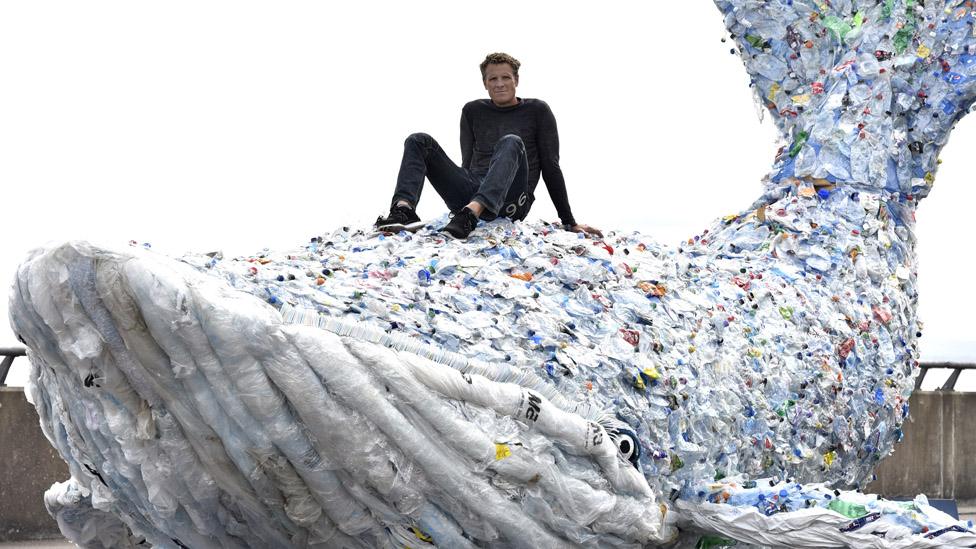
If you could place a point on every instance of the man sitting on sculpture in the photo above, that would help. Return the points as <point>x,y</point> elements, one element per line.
<point>507,142</point>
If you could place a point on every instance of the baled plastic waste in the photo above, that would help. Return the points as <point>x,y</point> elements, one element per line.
<point>532,387</point>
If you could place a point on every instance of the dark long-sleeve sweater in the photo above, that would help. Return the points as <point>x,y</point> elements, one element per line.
<point>483,124</point>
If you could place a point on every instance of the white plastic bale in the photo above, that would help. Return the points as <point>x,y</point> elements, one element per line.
<point>581,503</point>
<point>339,371</point>
<point>269,407</point>
<point>276,483</point>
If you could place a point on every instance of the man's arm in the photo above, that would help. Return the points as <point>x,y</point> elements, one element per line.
<point>548,140</point>
<point>467,140</point>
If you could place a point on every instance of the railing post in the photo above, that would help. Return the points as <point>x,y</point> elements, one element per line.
<point>8,359</point>
<point>950,383</point>
<point>921,376</point>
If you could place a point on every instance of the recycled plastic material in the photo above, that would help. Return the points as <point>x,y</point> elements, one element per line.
<point>530,386</point>
<point>770,512</point>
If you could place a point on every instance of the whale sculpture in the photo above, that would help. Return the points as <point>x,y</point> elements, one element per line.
<point>531,387</point>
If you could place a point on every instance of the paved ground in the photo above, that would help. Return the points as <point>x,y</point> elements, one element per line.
<point>967,513</point>
<point>44,544</point>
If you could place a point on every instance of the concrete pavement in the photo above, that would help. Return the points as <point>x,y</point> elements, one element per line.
<point>41,544</point>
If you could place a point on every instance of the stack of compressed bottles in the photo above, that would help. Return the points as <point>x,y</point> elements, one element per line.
<point>531,386</point>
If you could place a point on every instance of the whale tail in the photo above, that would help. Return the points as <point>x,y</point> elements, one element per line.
<point>863,93</point>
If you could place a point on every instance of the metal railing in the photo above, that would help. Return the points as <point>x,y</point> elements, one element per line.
<point>950,383</point>
<point>9,354</point>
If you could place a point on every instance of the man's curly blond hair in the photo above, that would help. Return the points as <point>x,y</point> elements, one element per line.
<point>498,58</point>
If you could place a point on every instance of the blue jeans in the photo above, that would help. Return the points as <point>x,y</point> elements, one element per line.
<point>503,191</point>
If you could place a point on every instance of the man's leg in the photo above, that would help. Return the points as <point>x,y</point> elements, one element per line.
<point>505,188</point>
<point>517,202</point>
<point>423,157</point>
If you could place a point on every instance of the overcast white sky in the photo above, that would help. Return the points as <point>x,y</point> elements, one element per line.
<point>198,126</point>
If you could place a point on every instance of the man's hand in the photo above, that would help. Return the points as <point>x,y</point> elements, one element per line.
<point>592,231</point>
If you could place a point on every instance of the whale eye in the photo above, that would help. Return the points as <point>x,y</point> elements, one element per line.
<point>629,447</point>
<point>626,447</point>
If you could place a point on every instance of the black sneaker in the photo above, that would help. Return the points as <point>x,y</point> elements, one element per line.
<point>401,218</point>
<point>461,224</point>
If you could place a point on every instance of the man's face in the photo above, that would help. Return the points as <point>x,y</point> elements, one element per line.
<point>500,81</point>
